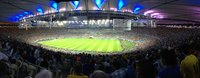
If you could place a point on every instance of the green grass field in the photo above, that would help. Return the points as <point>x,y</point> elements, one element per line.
<point>86,44</point>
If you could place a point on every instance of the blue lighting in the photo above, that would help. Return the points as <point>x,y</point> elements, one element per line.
<point>21,15</point>
<point>137,8</point>
<point>75,4</point>
<point>17,16</point>
<point>26,12</point>
<point>40,10</point>
<point>54,5</point>
<point>121,4</point>
<point>99,3</point>
<point>13,19</point>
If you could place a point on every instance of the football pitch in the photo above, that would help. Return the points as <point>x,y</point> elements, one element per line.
<point>86,44</point>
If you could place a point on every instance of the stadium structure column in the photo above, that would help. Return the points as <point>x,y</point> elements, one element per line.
<point>26,24</point>
<point>149,22</point>
<point>154,23</point>
<point>51,21</point>
<point>133,23</point>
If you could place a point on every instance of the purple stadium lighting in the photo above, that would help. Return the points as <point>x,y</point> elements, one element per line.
<point>159,17</point>
<point>113,9</point>
<point>148,12</point>
<point>154,14</point>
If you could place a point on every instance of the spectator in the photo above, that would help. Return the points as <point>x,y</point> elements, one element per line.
<point>44,74</point>
<point>145,69</point>
<point>3,56</point>
<point>4,70</point>
<point>44,63</point>
<point>190,65</point>
<point>77,71</point>
<point>131,73</point>
<point>120,68</point>
<point>171,68</point>
<point>99,74</point>
<point>0,45</point>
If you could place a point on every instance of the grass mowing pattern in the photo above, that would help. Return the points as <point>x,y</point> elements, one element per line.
<point>86,44</point>
<point>127,45</point>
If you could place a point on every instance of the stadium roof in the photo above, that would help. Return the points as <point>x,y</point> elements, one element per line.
<point>171,11</point>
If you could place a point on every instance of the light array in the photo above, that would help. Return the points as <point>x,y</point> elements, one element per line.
<point>55,8</point>
<point>121,4</point>
<point>75,4</point>
<point>99,3</point>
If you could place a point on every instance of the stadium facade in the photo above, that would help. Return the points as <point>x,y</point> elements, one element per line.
<point>88,14</point>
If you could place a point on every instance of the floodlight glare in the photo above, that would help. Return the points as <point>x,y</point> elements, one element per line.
<point>17,16</point>
<point>21,15</point>
<point>26,12</point>
<point>120,4</point>
<point>40,10</point>
<point>75,4</point>
<point>99,3</point>
<point>55,5</point>
<point>136,9</point>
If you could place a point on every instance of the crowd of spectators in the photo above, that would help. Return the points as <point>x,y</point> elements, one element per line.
<point>174,55</point>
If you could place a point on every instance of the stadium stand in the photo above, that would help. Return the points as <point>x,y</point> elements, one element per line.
<point>18,56</point>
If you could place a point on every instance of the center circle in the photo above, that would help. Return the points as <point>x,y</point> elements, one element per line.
<point>89,45</point>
